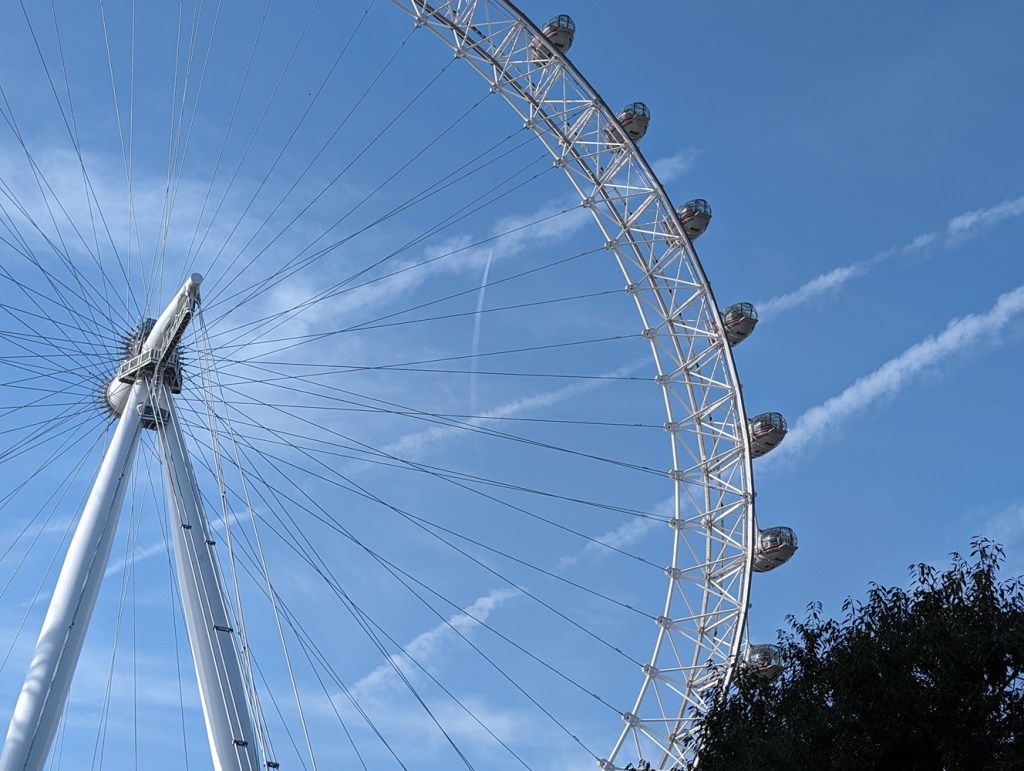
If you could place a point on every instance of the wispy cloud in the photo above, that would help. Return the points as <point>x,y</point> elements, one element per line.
<point>143,553</point>
<point>892,376</point>
<point>382,694</point>
<point>625,535</point>
<point>412,445</point>
<point>429,648</point>
<point>672,167</point>
<point>137,555</point>
<point>816,286</point>
<point>304,307</point>
<point>1007,526</point>
<point>621,537</point>
<point>971,223</point>
<point>958,230</point>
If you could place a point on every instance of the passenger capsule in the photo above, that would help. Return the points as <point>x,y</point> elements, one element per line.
<point>695,216</point>
<point>775,545</point>
<point>740,320</point>
<point>632,120</point>
<point>558,32</point>
<point>766,431</point>
<point>765,661</point>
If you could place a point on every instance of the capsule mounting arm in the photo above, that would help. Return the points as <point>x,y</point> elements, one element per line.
<point>163,338</point>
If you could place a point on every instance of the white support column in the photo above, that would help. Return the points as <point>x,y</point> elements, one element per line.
<point>48,681</point>
<point>140,393</point>
<point>229,724</point>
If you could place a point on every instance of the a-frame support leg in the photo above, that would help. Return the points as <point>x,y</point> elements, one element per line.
<point>221,686</point>
<point>42,699</point>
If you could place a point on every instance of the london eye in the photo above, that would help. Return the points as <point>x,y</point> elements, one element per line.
<point>389,398</point>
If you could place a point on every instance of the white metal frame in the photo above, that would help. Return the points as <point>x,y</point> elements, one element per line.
<point>700,633</point>
<point>222,687</point>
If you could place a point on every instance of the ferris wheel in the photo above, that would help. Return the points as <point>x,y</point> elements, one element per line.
<point>257,435</point>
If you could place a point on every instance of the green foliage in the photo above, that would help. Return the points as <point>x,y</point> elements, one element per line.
<point>929,678</point>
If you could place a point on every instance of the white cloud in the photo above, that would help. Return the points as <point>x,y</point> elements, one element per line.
<point>60,187</point>
<point>303,306</point>
<point>137,555</point>
<point>958,229</point>
<point>414,444</point>
<point>140,554</point>
<point>970,223</point>
<point>672,167</point>
<point>816,286</point>
<point>1006,527</point>
<point>891,377</point>
<point>623,536</point>
<point>429,648</point>
<point>22,533</point>
<point>476,723</point>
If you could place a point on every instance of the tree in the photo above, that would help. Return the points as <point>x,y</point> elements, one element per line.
<point>929,678</point>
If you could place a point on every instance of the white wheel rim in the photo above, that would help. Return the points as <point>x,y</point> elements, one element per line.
<point>701,630</point>
<point>700,627</point>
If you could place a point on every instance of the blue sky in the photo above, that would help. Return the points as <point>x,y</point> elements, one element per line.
<point>864,166</point>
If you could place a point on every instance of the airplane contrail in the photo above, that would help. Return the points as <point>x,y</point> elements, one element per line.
<point>892,376</point>
<point>476,333</point>
<point>958,229</point>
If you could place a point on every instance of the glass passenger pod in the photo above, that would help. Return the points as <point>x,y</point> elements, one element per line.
<point>558,32</point>
<point>633,120</point>
<point>765,661</point>
<point>775,545</point>
<point>740,320</point>
<point>695,216</point>
<point>766,431</point>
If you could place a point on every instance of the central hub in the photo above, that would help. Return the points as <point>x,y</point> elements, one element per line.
<point>152,349</point>
<point>115,395</point>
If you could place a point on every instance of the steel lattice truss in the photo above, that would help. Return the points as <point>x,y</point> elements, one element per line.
<point>700,632</point>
